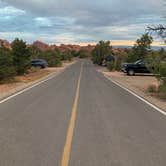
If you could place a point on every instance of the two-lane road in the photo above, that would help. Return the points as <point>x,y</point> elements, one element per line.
<point>79,118</point>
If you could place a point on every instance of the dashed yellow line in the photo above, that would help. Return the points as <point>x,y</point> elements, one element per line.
<point>67,147</point>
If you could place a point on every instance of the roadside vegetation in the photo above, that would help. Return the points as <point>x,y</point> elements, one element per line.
<point>101,51</point>
<point>83,54</point>
<point>155,60</point>
<point>7,69</point>
<point>21,56</point>
<point>158,61</point>
<point>17,60</point>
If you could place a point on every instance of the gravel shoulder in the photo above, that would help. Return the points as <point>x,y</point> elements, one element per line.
<point>137,84</point>
<point>27,80</point>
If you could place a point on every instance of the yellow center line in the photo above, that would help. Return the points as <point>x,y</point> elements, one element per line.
<point>67,147</point>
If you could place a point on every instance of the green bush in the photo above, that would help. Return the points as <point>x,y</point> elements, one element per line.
<point>21,56</point>
<point>162,72</point>
<point>141,49</point>
<point>162,91</point>
<point>52,57</point>
<point>110,66</point>
<point>7,70</point>
<point>74,53</point>
<point>143,46</point>
<point>66,56</point>
<point>157,64</point>
<point>162,88</point>
<point>132,57</point>
<point>34,69</point>
<point>162,54</point>
<point>83,54</point>
<point>35,52</point>
<point>101,50</point>
<point>152,89</point>
<point>120,58</point>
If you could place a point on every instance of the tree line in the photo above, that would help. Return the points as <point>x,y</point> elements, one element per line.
<point>17,60</point>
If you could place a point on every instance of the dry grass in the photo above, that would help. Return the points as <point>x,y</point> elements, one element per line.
<point>23,80</point>
<point>33,74</point>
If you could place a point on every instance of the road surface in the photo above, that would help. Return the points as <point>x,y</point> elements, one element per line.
<point>79,118</point>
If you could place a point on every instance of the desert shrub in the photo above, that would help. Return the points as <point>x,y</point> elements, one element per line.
<point>7,70</point>
<point>21,56</point>
<point>152,89</point>
<point>117,65</point>
<point>74,53</point>
<point>101,50</point>
<point>83,54</point>
<point>141,49</point>
<point>120,58</point>
<point>162,88</point>
<point>132,57</point>
<point>33,69</point>
<point>110,65</point>
<point>52,57</point>
<point>162,91</point>
<point>66,56</point>
<point>157,64</point>
<point>35,52</point>
<point>162,54</point>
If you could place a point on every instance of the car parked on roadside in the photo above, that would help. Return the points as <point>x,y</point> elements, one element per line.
<point>39,63</point>
<point>136,67</point>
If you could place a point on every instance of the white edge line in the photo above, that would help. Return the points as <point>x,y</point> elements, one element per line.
<point>26,89</point>
<point>139,97</point>
<point>34,85</point>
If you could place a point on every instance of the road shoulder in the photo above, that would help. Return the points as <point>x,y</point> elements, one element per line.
<point>9,89</point>
<point>136,84</point>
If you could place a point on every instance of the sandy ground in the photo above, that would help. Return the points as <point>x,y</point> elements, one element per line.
<point>138,84</point>
<point>29,79</point>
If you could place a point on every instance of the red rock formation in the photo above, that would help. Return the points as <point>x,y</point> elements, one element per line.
<point>63,47</point>
<point>5,43</point>
<point>41,45</point>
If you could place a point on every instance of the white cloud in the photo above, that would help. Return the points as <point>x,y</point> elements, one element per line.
<point>43,21</point>
<point>11,11</point>
<point>78,20</point>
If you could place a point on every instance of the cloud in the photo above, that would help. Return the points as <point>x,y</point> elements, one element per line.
<point>10,11</point>
<point>81,20</point>
<point>95,13</point>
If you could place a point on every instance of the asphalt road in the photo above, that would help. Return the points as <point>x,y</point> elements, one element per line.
<point>81,112</point>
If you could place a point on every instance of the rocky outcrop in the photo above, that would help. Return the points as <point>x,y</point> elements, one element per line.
<point>5,43</point>
<point>63,47</point>
<point>41,45</point>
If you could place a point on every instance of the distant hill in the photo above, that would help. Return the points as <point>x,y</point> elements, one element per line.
<point>62,47</point>
<point>153,47</point>
<point>41,45</point>
<point>72,47</point>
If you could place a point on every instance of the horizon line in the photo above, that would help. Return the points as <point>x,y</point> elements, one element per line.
<point>112,43</point>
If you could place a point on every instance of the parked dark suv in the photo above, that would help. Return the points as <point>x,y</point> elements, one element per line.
<point>137,67</point>
<point>39,63</point>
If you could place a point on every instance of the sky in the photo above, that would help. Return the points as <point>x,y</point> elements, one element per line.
<point>79,21</point>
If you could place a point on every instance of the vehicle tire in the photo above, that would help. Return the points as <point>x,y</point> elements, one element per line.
<point>42,67</point>
<point>131,72</point>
